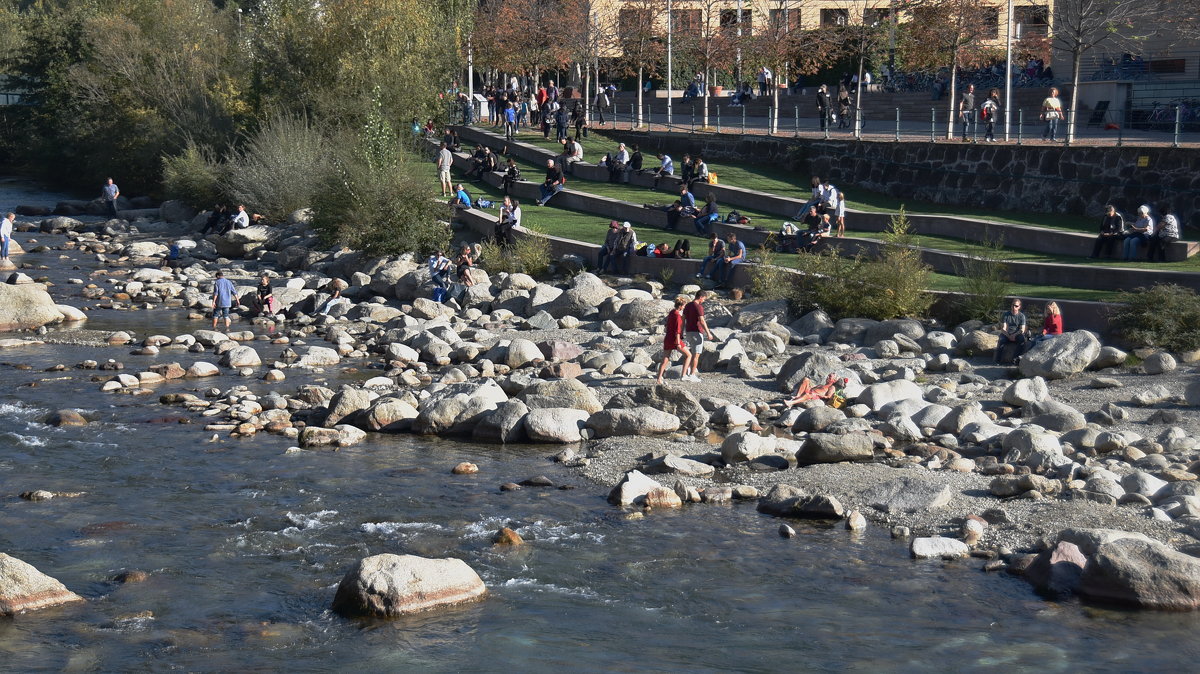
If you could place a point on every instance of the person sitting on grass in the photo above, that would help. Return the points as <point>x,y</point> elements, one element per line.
<point>673,340</point>
<point>461,198</point>
<point>806,391</point>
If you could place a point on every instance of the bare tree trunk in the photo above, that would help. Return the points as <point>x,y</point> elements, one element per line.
<point>858,93</point>
<point>640,91</point>
<point>707,80</point>
<point>953,93</point>
<point>1075,65</point>
<point>774,101</point>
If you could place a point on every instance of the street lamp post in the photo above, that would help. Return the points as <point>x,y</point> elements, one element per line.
<point>1008,77</point>
<point>669,85</point>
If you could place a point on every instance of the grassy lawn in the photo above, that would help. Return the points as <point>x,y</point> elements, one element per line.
<point>792,184</point>
<point>589,228</point>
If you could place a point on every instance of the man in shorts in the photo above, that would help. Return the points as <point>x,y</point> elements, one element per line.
<point>695,330</point>
<point>223,292</point>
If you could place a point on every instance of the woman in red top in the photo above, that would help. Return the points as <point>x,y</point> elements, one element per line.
<point>673,341</point>
<point>1051,326</point>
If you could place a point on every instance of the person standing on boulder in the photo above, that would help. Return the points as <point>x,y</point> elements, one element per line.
<point>223,292</point>
<point>6,230</point>
<point>1012,331</point>
<point>695,329</point>
<point>111,192</point>
<point>673,341</point>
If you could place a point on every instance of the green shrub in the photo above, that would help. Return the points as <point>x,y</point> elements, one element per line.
<point>377,198</point>
<point>193,176</point>
<point>285,166</point>
<point>529,254</point>
<point>768,280</point>
<point>985,282</point>
<point>1166,316</point>
<point>891,286</point>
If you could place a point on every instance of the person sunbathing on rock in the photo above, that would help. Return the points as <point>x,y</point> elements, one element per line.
<point>806,391</point>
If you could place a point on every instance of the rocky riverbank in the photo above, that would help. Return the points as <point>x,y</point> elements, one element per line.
<point>1074,457</point>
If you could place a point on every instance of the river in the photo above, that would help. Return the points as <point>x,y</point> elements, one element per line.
<point>244,543</point>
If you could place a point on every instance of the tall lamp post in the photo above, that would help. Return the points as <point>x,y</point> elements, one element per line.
<point>670,21</point>
<point>1008,77</point>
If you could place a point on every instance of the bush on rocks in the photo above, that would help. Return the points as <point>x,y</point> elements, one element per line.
<point>1166,316</point>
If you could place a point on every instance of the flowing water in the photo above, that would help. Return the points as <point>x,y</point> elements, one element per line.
<point>245,542</point>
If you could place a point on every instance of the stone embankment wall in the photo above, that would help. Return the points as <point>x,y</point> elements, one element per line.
<point>1033,177</point>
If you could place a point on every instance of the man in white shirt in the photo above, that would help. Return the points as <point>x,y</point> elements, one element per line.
<point>666,168</point>
<point>6,230</point>
<point>242,219</point>
<point>444,161</point>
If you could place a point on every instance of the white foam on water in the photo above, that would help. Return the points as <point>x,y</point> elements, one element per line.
<point>24,440</point>
<point>394,528</point>
<point>540,587</point>
<point>315,520</point>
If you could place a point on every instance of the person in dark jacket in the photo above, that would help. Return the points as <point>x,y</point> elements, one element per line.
<point>1112,232</point>
<point>823,106</point>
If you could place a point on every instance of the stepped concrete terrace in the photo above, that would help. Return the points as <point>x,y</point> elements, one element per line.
<point>1092,277</point>
<point>1023,237</point>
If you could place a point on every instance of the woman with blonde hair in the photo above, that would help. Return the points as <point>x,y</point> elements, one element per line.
<point>1051,325</point>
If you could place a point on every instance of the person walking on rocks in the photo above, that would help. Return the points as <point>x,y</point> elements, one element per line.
<point>111,192</point>
<point>6,230</point>
<point>695,329</point>
<point>223,292</point>
<point>1012,331</point>
<point>445,160</point>
<point>673,341</point>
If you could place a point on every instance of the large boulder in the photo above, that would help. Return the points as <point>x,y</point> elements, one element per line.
<point>851,331</point>
<point>387,586</point>
<point>776,310</point>
<point>1068,354</point>
<point>504,424</point>
<point>26,306</point>
<point>345,403</point>
<point>831,448</point>
<point>174,210</point>
<point>876,396</point>
<point>555,424</point>
<point>586,293</point>
<point>1056,572</point>
<point>636,421</point>
<point>642,313</point>
<point>456,408</point>
<point>389,415</point>
<point>668,398</point>
<point>522,352</point>
<point>24,588</point>
<point>241,356</point>
<point>907,495</point>
<point>570,393</point>
<point>1144,574</point>
<point>632,488</point>
<point>1026,391</point>
<point>815,365</point>
<point>745,446</point>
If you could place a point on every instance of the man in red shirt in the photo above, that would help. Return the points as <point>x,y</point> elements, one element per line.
<point>695,330</point>
<point>673,341</point>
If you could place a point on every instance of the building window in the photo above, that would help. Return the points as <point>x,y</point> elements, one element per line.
<point>785,20</point>
<point>729,22</point>
<point>876,16</point>
<point>635,21</point>
<point>1032,20</point>
<point>831,18</point>
<point>686,20</point>
<point>990,24</point>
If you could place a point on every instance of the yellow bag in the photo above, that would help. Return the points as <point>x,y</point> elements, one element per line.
<point>838,401</point>
<point>712,178</point>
